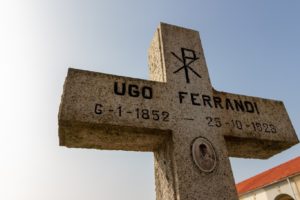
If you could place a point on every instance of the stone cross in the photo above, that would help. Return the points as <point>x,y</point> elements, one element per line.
<point>191,128</point>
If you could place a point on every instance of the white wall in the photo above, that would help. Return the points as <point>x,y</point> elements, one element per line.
<point>274,190</point>
<point>255,195</point>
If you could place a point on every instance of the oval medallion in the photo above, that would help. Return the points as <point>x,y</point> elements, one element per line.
<point>204,154</point>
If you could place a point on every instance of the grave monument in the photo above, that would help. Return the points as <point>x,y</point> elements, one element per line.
<point>191,128</point>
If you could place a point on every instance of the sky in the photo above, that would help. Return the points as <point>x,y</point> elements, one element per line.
<point>251,48</point>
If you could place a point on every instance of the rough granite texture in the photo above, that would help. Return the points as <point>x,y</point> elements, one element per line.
<point>191,128</point>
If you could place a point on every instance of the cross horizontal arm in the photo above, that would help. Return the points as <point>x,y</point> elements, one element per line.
<point>100,110</point>
<point>253,127</point>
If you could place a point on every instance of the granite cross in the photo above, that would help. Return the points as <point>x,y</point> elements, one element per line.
<point>191,128</point>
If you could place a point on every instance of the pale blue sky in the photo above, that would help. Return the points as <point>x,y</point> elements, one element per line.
<point>251,48</point>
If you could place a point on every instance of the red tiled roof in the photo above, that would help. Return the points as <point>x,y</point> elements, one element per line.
<point>275,174</point>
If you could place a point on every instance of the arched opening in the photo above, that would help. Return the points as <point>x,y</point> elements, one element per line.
<point>283,197</point>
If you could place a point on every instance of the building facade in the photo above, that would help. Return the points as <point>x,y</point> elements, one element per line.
<point>279,183</point>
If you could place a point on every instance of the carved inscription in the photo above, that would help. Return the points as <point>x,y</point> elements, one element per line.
<point>254,126</point>
<point>138,113</point>
<point>197,99</point>
<point>133,90</point>
<point>188,56</point>
<point>194,99</point>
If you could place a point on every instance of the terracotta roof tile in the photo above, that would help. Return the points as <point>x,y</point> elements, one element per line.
<point>275,174</point>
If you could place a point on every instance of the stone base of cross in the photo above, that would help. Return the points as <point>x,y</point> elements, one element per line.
<point>191,128</point>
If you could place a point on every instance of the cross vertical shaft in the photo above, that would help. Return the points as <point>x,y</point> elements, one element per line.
<point>186,181</point>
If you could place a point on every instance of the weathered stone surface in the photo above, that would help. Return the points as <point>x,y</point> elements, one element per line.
<point>190,127</point>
